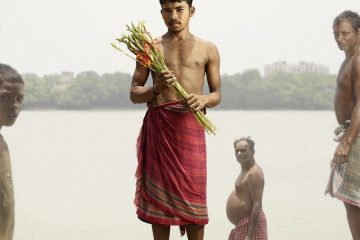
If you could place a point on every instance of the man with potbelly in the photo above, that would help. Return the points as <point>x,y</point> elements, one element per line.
<point>244,205</point>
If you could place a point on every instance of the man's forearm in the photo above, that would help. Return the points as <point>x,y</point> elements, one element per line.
<point>214,99</point>
<point>254,220</point>
<point>140,94</point>
<point>354,127</point>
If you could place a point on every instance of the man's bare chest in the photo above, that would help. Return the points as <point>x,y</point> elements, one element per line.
<point>189,60</point>
<point>344,82</point>
<point>241,184</point>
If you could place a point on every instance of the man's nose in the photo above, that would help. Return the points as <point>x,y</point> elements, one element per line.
<point>173,15</point>
<point>16,104</point>
<point>339,38</point>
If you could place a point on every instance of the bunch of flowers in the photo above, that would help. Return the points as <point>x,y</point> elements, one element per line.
<point>140,43</point>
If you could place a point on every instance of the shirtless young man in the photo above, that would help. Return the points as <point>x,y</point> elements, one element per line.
<point>345,180</point>
<point>11,97</point>
<point>171,173</point>
<point>244,205</point>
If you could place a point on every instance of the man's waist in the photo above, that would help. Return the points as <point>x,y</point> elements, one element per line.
<point>342,127</point>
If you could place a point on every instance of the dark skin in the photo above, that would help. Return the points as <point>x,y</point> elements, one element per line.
<point>7,204</point>
<point>246,199</point>
<point>11,97</point>
<point>347,104</point>
<point>189,59</point>
<point>347,96</point>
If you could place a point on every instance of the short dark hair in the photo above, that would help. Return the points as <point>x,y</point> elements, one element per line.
<point>248,140</point>
<point>9,74</point>
<point>188,1</point>
<point>352,17</point>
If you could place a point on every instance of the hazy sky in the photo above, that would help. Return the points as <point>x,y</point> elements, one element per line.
<point>51,36</point>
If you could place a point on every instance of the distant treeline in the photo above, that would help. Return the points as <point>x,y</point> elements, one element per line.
<point>246,90</point>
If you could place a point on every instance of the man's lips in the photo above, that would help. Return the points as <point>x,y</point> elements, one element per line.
<point>13,115</point>
<point>174,23</point>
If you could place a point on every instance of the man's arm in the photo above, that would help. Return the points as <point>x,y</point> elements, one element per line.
<point>138,92</point>
<point>256,187</point>
<point>343,149</point>
<point>212,71</point>
<point>213,76</point>
<point>162,82</point>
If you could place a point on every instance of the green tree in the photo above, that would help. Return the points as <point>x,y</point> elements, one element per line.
<point>37,92</point>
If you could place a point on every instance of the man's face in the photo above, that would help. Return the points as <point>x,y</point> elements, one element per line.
<point>176,15</point>
<point>243,152</point>
<point>345,36</point>
<point>11,97</point>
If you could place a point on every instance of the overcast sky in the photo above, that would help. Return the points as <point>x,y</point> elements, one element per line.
<point>51,36</point>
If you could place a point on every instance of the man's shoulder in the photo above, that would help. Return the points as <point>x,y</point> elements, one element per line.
<point>205,42</point>
<point>354,68</point>
<point>356,59</point>
<point>3,145</point>
<point>256,173</point>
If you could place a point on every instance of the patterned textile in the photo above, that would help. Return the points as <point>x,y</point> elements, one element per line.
<point>171,173</point>
<point>344,182</point>
<point>241,230</point>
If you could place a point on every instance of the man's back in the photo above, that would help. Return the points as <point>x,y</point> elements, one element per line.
<point>344,96</point>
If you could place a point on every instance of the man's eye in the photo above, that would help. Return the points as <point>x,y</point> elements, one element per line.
<point>5,98</point>
<point>343,34</point>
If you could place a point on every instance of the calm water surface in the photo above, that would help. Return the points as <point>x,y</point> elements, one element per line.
<point>74,174</point>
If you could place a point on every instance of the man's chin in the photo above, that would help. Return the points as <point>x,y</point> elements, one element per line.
<point>175,30</point>
<point>342,48</point>
<point>9,123</point>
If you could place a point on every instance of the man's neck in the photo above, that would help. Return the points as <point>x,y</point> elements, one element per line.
<point>246,166</point>
<point>182,35</point>
<point>352,51</point>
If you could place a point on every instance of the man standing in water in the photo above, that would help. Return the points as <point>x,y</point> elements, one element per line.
<point>11,98</point>
<point>345,178</point>
<point>244,205</point>
<point>171,173</point>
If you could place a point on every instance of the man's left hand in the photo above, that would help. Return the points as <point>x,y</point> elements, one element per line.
<point>341,153</point>
<point>196,102</point>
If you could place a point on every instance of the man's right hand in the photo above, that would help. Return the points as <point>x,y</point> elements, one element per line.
<point>164,80</point>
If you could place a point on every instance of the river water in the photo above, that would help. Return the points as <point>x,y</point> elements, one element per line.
<point>74,174</point>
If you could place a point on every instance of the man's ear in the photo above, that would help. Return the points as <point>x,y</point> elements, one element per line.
<point>192,11</point>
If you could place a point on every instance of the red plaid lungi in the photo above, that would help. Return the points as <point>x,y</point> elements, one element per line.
<point>241,230</point>
<point>171,173</point>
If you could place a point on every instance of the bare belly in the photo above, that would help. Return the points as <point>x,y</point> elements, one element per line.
<point>237,208</point>
<point>344,104</point>
<point>169,96</point>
